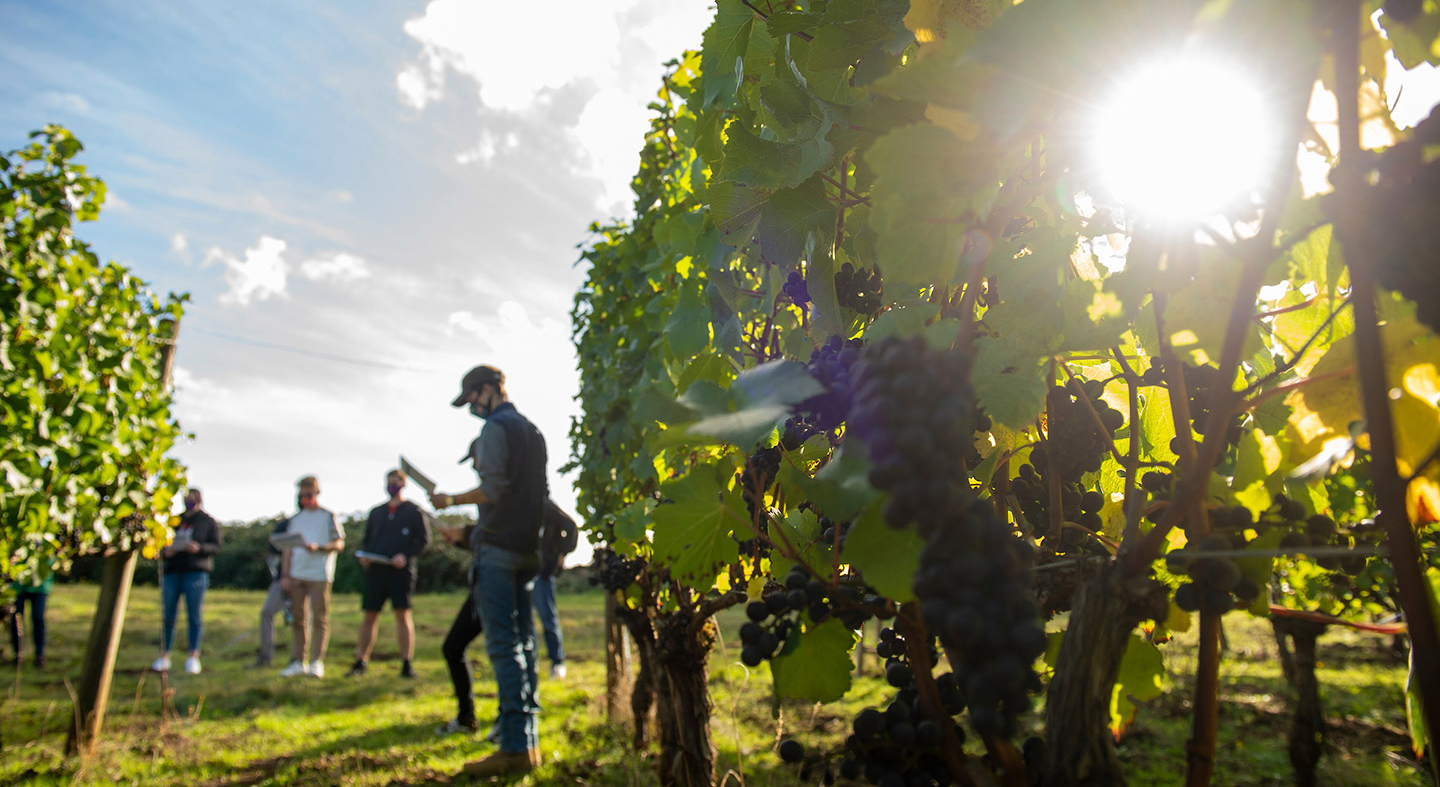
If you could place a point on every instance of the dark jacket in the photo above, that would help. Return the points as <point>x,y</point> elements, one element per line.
<point>559,538</point>
<point>514,521</point>
<point>405,530</point>
<point>201,528</point>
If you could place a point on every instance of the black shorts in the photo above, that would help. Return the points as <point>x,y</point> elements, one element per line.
<point>387,582</point>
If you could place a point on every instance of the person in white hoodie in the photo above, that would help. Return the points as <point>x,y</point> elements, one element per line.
<point>306,574</point>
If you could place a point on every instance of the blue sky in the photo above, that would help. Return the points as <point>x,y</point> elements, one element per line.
<point>363,199</point>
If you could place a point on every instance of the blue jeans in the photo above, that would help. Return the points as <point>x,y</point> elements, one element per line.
<point>192,584</point>
<point>549,620</point>
<point>37,621</point>
<point>502,582</point>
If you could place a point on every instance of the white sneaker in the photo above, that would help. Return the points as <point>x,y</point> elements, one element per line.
<point>192,665</point>
<point>295,668</point>
<point>557,670</point>
<point>317,669</point>
<point>161,664</point>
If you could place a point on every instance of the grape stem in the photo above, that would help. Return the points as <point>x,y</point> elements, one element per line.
<point>917,645</point>
<point>1259,399</point>
<point>765,16</point>
<point>1417,598</point>
<point>1316,617</point>
<point>1132,461</point>
<point>1299,354</point>
<point>1094,416</point>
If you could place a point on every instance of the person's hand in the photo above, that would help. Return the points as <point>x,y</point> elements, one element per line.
<point>312,547</point>
<point>285,584</point>
<point>440,500</point>
<point>364,562</point>
<point>192,547</point>
<point>452,535</point>
<point>398,561</point>
<point>168,551</point>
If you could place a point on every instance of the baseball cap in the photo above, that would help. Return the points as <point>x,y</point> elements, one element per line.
<point>475,378</point>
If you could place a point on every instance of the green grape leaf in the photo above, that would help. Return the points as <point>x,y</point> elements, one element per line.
<point>1009,381</point>
<point>725,42</point>
<point>820,668</point>
<point>1256,481</point>
<point>794,222</point>
<point>840,490</point>
<point>632,522</point>
<point>802,530</point>
<point>692,534</point>
<point>887,558</point>
<point>1142,671</point>
<point>688,329</point>
<point>763,163</point>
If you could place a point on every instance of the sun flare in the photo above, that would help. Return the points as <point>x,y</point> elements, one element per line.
<point>1184,139</point>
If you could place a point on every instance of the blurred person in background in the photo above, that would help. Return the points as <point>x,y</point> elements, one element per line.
<point>187,563</point>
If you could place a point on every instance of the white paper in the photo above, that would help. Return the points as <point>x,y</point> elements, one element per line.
<point>287,540</point>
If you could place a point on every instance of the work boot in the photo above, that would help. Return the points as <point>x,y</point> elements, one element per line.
<point>503,763</point>
<point>357,669</point>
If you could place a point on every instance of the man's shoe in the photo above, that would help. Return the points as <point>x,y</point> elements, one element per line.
<point>39,662</point>
<point>557,670</point>
<point>317,669</point>
<point>502,763</point>
<point>295,668</point>
<point>192,665</point>
<point>357,669</point>
<point>260,663</point>
<point>161,664</point>
<point>455,726</point>
<point>407,671</point>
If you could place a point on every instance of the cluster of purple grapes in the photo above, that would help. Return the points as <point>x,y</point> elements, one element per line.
<point>1403,212</point>
<point>915,411</point>
<point>795,289</point>
<point>773,617</point>
<point>1078,505</point>
<point>832,364</point>
<point>1075,444</point>
<point>860,290</point>
<point>974,591</point>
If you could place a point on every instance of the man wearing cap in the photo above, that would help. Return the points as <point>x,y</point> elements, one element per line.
<point>509,458</point>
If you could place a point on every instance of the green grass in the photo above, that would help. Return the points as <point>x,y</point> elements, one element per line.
<point>232,726</point>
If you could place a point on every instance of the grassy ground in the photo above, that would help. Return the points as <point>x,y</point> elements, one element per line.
<point>232,726</point>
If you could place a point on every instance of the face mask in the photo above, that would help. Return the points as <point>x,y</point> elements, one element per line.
<point>393,489</point>
<point>480,412</point>
<point>190,506</point>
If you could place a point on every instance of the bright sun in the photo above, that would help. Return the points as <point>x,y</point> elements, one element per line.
<point>1183,139</point>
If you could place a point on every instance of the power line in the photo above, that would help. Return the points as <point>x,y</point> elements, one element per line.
<point>312,354</point>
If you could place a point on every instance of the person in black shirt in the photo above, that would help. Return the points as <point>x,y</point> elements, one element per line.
<point>189,559</point>
<point>395,534</point>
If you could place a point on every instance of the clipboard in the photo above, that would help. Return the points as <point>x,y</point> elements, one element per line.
<point>420,478</point>
<point>287,540</point>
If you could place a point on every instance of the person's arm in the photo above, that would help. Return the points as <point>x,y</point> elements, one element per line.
<point>491,458</point>
<point>337,537</point>
<point>369,540</point>
<point>212,543</point>
<point>285,568</point>
<point>419,532</point>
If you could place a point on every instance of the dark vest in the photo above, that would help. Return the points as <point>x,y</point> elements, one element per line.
<point>518,515</point>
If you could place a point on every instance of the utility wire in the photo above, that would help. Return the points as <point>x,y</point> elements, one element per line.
<point>312,354</point>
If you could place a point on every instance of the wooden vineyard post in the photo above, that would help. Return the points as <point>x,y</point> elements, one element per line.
<point>103,646</point>
<point>617,665</point>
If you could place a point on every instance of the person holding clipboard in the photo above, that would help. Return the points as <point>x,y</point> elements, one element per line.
<point>396,532</point>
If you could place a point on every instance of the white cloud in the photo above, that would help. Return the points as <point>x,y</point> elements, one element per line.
<point>178,244</point>
<point>614,49</point>
<point>259,276</point>
<point>340,195</point>
<point>335,266</point>
<point>68,102</point>
<point>487,147</point>
<point>113,201</point>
